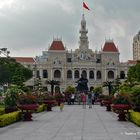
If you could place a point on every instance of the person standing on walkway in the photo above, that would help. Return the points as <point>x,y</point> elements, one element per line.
<point>90,100</point>
<point>72,98</point>
<point>84,98</point>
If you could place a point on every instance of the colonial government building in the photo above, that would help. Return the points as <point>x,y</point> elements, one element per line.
<point>57,63</point>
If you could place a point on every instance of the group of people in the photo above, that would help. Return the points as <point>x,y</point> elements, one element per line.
<point>87,99</point>
<point>84,98</point>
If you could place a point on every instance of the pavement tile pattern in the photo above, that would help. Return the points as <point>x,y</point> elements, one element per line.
<point>73,123</point>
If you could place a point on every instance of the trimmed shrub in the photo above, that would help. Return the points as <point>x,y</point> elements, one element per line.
<point>2,111</point>
<point>41,108</point>
<point>9,118</point>
<point>134,117</point>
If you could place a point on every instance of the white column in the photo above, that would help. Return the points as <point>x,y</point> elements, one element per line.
<point>51,74</point>
<point>41,73</point>
<point>62,73</point>
<point>105,75</point>
<point>87,73</point>
<point>73,75</point>
<point>80,72</point>
<point>95,75</point>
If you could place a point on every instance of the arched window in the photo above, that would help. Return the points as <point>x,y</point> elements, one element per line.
<point>84,74</point>
<point>76,74</point>
<point>99,75</point>
<point>69,74</point>
<point>45,74</point>
<point>122,75</point>
<point>57,74</point>
<point>110,75</point>
<point>91,74</point>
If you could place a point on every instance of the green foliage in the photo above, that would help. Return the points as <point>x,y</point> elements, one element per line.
<point>134,73</point>
<point>70,90</point>
<point>9,118</point>
<point>2,111</point>
<point>40,108</point>
<point>97,90</point>
<point>135,117</point>
<point>122,99</point>
<point>12,72</point>
<point>11,96</point>
<point>124,88</point>
<point>135,95</point>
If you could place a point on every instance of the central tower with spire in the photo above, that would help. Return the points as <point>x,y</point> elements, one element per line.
<point>83,43</point>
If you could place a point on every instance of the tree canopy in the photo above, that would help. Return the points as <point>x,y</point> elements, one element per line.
<point>12,72</point>
<point>134,73</point>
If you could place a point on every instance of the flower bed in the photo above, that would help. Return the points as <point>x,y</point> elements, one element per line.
<point>28,107</point>
<point>134,117</point>
<point>120,106</point>
<point>9,118</point>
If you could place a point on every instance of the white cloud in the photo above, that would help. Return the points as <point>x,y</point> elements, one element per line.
<point>7,3</point>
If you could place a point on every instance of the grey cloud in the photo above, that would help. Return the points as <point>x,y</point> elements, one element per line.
<point>31,24</point>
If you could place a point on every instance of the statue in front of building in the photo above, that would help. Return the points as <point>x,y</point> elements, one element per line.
<point>82,84</point>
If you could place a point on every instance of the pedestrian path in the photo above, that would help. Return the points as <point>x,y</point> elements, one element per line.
<point>74,123</point>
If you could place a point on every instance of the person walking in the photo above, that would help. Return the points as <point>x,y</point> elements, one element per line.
<point>84,98</point>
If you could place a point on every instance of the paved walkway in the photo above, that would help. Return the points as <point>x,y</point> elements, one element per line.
<point>74,123</point>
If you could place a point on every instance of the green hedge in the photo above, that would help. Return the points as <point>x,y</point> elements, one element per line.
<point>134,117</point>
<point>40,108</point>
<point>2,111</point>
<point>9,118</point>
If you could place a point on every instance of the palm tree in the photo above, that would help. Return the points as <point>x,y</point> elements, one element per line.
<point>108,84</point>
<point>52,83</point>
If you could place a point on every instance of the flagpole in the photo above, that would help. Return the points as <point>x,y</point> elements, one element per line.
<point>83,7</point>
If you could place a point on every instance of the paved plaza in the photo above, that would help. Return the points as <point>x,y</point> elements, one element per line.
<point>74,123</point>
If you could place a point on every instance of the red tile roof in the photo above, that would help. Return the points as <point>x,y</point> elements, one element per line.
<point>57,45</point>
<point>110,47</point>
<point>132,62</point>
<point>24,59</point>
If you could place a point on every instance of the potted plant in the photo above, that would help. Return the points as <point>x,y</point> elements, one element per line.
<point>27,103</point>
<point>107,101</point>
<point>49,100</point>
<point>121,105</point>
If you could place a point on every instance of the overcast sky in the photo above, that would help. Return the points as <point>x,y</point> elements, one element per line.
<point>27,27</point>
